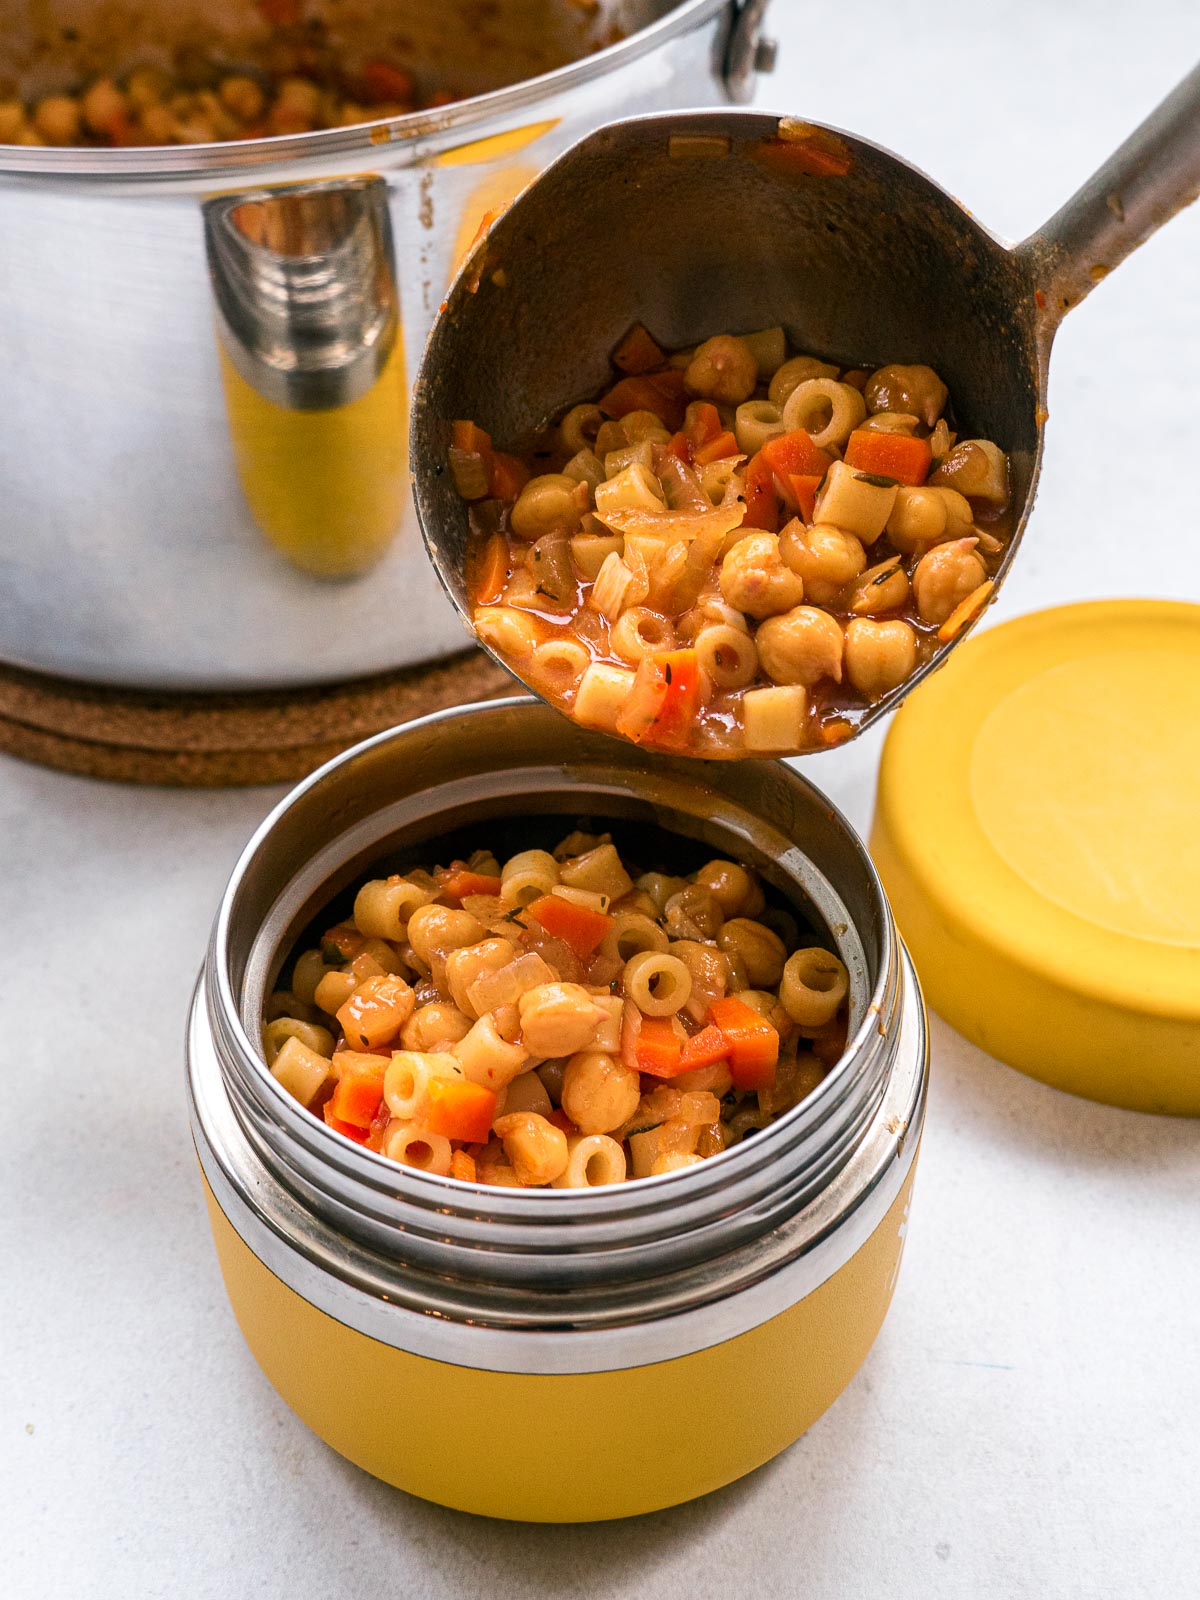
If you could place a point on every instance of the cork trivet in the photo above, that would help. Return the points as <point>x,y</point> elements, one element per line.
<point>210,741</point>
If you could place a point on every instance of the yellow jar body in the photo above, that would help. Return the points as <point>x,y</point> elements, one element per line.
<point>581,1447</point>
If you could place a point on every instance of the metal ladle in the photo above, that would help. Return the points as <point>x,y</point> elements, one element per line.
<point>725,221</point>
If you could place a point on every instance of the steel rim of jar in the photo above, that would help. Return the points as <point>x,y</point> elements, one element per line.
<point>620,1254</point>
<point>408,131</point>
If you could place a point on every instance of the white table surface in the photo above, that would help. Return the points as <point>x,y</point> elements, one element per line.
<point>1028,1423</point>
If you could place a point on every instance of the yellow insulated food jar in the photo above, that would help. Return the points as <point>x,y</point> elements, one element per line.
<point>562,1355</point>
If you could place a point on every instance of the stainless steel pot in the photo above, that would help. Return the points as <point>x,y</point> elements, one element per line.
<point>205,350</point>
<point>516,1295</point>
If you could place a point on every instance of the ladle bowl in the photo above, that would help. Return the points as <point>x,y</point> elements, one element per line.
<point>703,222</point>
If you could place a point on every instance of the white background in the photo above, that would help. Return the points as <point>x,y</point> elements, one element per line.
<point>1028,1423</point>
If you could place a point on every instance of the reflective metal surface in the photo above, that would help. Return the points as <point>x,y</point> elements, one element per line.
<point>699,222</point>
<point>305,282</point>
<point>743,1231</point>
<point>161,528</point>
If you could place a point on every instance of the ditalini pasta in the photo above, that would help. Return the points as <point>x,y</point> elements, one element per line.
<point>560,1019</point>
<point>733,551</point>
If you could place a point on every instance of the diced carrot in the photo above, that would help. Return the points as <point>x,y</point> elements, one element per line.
<point>966,611</point>
<point>680,446</point>
<point>280,13</point>
<point>703,423</point>
<point>889,455</point>
<point>341,944</point>
<point>471,437</point>
<point>560,1119</point>
<point>658,1048</point>
<point>462,1166</point>
<point>346,1129</point>
<point>705,1049</point>
<point>491,570</point>
<point>579,926</point>
<point>804,486</point>
<point>753,1042</point>
<point>456,885</point>
<point>380,82</point>
<point>795,452</point>
<point>357,1096</point>
<point>664,701</point>
<point>638,352</point>
<point>376,1011</point>
<point>725,444</point>
<point>458,1109</point>
<point>762,502</point>
<point>660,392</point>
<point>508,477</point>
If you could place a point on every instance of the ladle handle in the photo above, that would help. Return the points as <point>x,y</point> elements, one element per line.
<point>1154,174</point>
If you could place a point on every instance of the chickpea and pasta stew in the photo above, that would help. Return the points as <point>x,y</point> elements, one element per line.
<point>297,85</point>
<point>735,549</point>
<point>557,1018</point>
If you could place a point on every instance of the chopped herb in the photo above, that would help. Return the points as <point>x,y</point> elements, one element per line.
<point>667,672</point>
<point>876,480</point>
<point>332,953</point>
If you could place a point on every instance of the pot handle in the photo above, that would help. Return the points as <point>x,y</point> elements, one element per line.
<point>749,50</point>
<point>305,285</point>
<point>312,366</point>
<point>1154,174</point>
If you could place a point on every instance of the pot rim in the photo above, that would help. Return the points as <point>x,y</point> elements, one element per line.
<point>413,133</point>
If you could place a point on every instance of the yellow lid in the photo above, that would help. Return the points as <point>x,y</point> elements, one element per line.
<point>1038,832</point>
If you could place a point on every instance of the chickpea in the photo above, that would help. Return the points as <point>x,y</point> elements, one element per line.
<point>800,369</point>
<point>147,86</point>
<point>916,390</point>
<point>465,965</point>
<point>754,579</point>
<point>547,504</point>
<point>103,106</point>
<point>599,1093</point>
<point>301,96</point>
<point>767,1005</point>
<point>762,952</point>
<point>737,891</point>
<point>945,577</point>
<point>884,587</point>
<point>879,655</point>
<point>802,646</point>
<point>434,1027</point>
<point>439,929</point>
<point>723,369</point>
<point>927,516</point>
<point>536,1148</point>
<point>976,468</point>
<point>825,557</point>
<point>12,120</point>
<point>693,913</point>
<point>56,118</point>
<point>557,1019</point>
<point>156,124</point>
<point>243,97</point>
